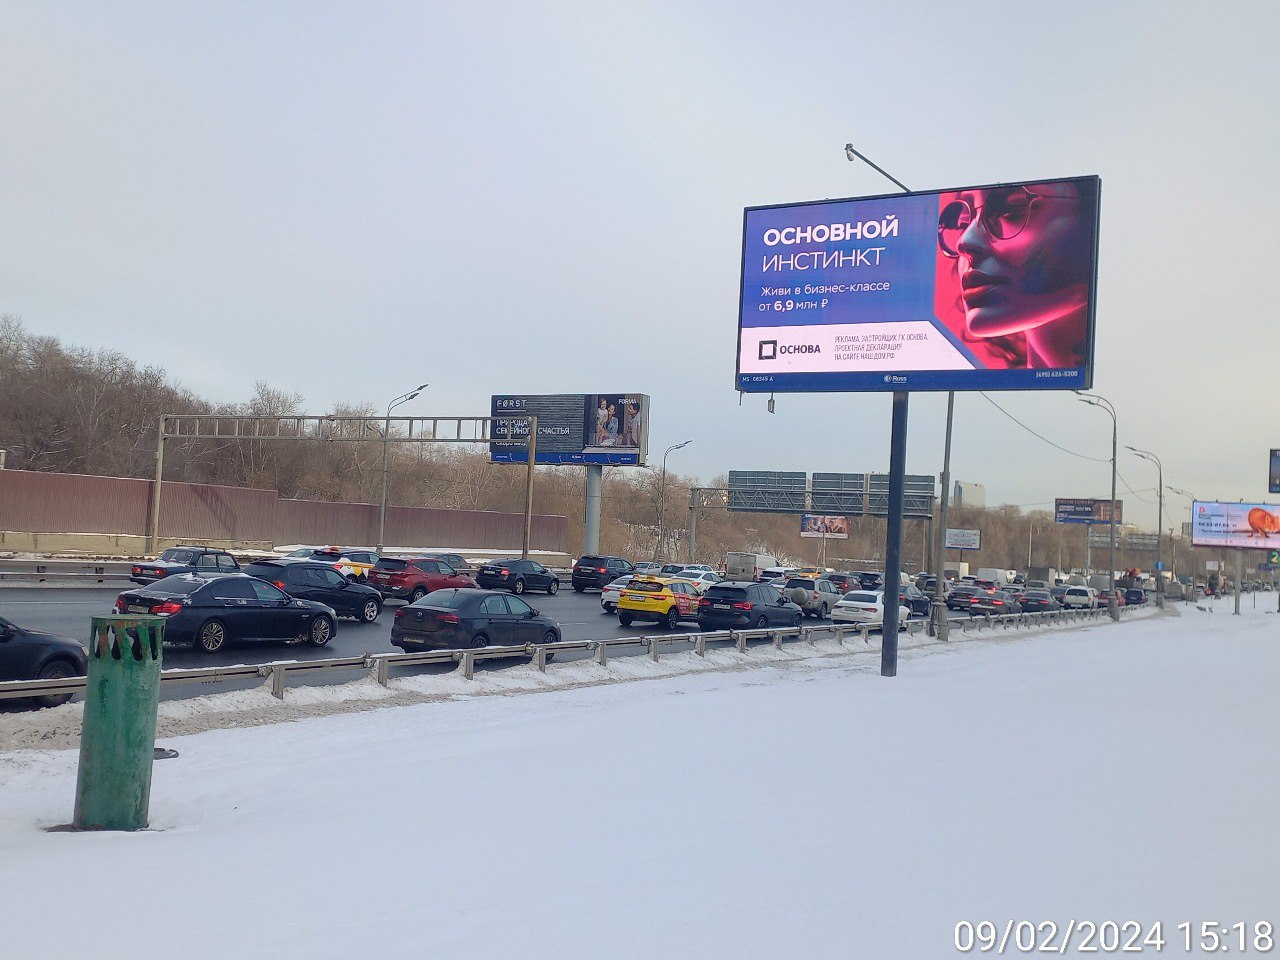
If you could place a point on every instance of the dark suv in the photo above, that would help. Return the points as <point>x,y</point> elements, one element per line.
<point>743,603</point>
<point>175,560</point>
<point>595,573</point>
<point>312,580</point>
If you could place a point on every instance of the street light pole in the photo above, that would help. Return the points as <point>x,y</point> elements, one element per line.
<point>1148,455</point>
<point>1112,606</point>
<point>386,445</point>
<point>662,497</point>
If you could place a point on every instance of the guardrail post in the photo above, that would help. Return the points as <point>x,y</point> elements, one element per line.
<point>700,645</point>
<point>739,640</point>
<point>540,658</point>
<point>777,638</point>
<point>602,653</point>
<point>653,649</point>
<point>468,665</point>
<point>118,735</point>
<point>382,671</point>
<point>276,673</point>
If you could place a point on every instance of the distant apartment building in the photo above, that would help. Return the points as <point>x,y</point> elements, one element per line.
<point>970,494</point>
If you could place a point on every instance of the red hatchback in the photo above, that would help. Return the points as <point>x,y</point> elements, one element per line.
<point>413,579</point>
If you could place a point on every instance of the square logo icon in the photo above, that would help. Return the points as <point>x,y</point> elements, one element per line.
<point>768,350</point>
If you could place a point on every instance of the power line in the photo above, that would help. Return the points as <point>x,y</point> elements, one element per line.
<point>1041,435</point>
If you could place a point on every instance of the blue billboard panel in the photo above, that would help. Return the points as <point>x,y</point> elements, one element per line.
<point>977,288</point>
<point>1086,511</point>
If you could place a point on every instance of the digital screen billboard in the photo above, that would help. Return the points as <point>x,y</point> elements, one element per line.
<point>1273,475</point>
<point>1086,511</point>
<point>1246,525</point>
<point>822,525</point>
<point>606,428</point>
<point>976,288</point>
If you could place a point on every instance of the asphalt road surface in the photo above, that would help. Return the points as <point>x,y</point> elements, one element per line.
<point>67,611</point>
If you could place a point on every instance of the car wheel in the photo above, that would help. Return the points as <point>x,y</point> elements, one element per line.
<point>550,637</point>
<point>610,608</point>
<point>321,632</point>
<point>762,622</point>
<point>578,589</point>
<point>673,618</point>
<point>478,641</point>
<point>57,670</point>
<point>795,621</point>
<point>418,594</point>
<point>518,586</point>
<point>553,588</point>
<point>212,637</point>
<point>823,611</point>
<point>369,612</point>
<point>625,619</point>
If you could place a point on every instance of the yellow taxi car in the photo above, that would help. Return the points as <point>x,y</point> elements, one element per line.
<point>665,600</point>
<point>353,563</point>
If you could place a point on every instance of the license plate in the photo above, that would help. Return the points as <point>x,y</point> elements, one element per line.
<point>380,576</point>
<point>721,606</point>
<point>135,608</point>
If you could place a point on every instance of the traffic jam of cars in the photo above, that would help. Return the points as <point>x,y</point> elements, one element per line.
<point>210,600</point>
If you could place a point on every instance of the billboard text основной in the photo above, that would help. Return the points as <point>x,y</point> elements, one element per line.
<point>1248,525</point>
<point>978,288</point>
<point>607,428</point>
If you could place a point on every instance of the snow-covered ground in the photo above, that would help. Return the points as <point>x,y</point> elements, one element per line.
<point>809,808</point>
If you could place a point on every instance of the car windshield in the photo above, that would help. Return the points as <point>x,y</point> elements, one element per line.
<point>591,562</point>
<point>179,585</point>
<point>798,582</point>
<point>672,568</point>
<point>452,599</point>
<point>619,583</point>
<point>1038,595</point>
<point>861,596</point>
<point>178,556</point>
<point>726,593</point>
<point>390,564</point>
<point>647,586</point>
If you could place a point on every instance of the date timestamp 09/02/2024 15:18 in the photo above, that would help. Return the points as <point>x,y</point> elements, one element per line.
<point>1112,936</point>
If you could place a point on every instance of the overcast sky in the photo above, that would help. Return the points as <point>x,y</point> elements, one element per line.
<point>345,200</point>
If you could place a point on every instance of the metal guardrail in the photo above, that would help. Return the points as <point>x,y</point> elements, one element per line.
<point>64,571</point>
<point>380,664</point>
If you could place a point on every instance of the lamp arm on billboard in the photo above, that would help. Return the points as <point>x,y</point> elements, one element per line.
<point>938,622</point>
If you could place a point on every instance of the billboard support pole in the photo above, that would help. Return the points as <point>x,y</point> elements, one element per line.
<point>693,521</point>
<point>893,536</point>
<point>940,626</point>
<point>528,487</point>
<point>591,518</point>
<point>1239,577</point>
<point>154,524</point>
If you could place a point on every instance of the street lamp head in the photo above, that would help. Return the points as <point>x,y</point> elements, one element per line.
<point>849,152</point>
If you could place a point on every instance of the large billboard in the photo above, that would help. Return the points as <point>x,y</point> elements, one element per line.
<point>976,288</point>
<point>963,539</point>
<point>609,428</point>
<point>1273,476</point>
<point>825,526</point>
<point>1247,525</point>
<point>1086,511</point>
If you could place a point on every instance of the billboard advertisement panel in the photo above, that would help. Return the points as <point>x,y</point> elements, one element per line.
<point>975,288</point>
<point>963,539</point>
<point>1273,475</point>
<point>1086,511</point>
<point>822,525</point>
<point>608,428</point>
<point>1246,525</point>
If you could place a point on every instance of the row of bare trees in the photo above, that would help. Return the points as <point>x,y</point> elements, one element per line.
<point>71,410</point>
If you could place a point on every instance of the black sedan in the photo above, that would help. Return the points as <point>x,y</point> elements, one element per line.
<point>210,611</point>
<point>30,655</point>
<point>916,601</point>
<point>960,596</point>
<point>1039,601</point>
<point>518,576</point>
<point>312,580</point>
<point>461,618</point>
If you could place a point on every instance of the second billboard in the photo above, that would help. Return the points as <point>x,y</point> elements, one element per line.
<point>976,288</point>
<point>1248,525</point>
<point>609,428</point>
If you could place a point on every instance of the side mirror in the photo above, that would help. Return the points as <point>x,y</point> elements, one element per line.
<point>531,614</point>
<point>6,632</point>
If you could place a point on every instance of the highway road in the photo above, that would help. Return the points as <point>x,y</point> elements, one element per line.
<point>67,612</point>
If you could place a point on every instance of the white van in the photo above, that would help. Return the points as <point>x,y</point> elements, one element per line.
<point>747,566</point>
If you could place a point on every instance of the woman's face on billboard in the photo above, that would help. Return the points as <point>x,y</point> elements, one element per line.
<point>1023,255</point>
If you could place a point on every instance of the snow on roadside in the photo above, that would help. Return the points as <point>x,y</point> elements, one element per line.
<point>59,728</point>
